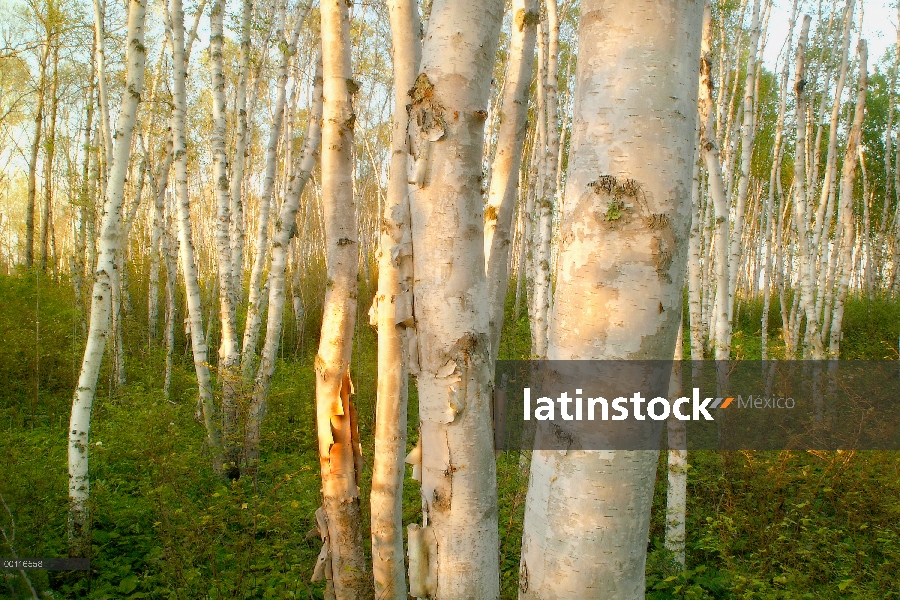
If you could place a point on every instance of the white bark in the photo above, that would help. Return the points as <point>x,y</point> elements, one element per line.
<point>845,215</point>
<point>240,157</point>
<point>460,539</point>
<point>805,234</point>
<point>747,137</point>
<point>547,156</point>
<point>498,218</point>
<point>710,153</point>
<point>695,276</point>
<point>229,352</point>
<point>186,244</point>
<point>254,308</point>
<point>339,450</point>
<point>285,230</point>
<point>676,491</point>
<point>82,403</point>
<point>392,314</point>
<point>158,187</point>
<point>619,285</point>
<point>103,96</point>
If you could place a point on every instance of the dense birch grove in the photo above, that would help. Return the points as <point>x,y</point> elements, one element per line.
<point>223,182</point>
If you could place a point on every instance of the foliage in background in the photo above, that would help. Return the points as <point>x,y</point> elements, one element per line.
<point>760,524</point>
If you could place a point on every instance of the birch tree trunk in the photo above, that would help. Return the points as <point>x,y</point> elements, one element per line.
<point>229,351</point>
<point>619,285</point>
<point>286,229</point>
<point>676,490</point>
<point>254,309</point>
<point>710,153</point>
<point>806,246</point>
<point>393,313</point>
<point>240,157</point>
<point>454,554</point>
<point>846,217</point>
<point>158,187</point>
<point>31,199</point>
<point>500,211</point>
<point>740,203</point>
<point>185,241</point>
<point>82,403</point>
<point>547,156</point>
<point>339,451</point>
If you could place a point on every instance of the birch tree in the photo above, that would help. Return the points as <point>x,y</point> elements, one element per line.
<point>339,451</point>
<point>845,210</point>
<point>676,488</point>
<point>229,351</point>
<point>501,203</point>
<point>185,235</point>
<point>392,314</point>
<point>454,553</point>
<point>285,231</point>
<point>621,271</point>
<point>110,247</point>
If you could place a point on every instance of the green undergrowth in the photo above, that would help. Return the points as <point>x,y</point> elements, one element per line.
<point>760,524</point>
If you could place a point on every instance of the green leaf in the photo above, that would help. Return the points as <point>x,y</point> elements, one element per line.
<point>128,584</point>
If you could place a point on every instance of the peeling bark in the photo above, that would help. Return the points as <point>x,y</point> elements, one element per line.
<point>448,111</point>
<point>338,450</point>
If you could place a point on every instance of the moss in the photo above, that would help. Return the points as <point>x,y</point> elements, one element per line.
<point>614,210</point>
<point>526,18</point>
<point>422,89</point>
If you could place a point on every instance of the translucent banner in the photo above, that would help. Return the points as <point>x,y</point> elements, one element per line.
<point>717,405</point>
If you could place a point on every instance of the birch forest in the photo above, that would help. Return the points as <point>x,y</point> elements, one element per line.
<point>259,261</point>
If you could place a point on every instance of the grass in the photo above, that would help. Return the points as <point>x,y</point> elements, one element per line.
<point>760,524</point>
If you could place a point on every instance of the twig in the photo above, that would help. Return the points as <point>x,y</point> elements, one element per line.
<point>9,542</point>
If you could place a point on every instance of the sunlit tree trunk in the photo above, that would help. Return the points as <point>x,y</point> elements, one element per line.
<point>500,211</point>
<point>740,202</point>
<point>285,231</point>
<point>31,199</point>
<point>186,244</point>
<point>393,313</point>
<point>339,451</point>
<point>80,422</point>
<point>619,285</point>
<point>256,294</point>
<point>49,155</point>
<point>846,217</point>
<point>805,233</point>
<point>240,157</point>
<point>716,188</point>
<point>676,490</point>
<point>229,351</point>
<point>454,554</point>
<point>695,275</point>
<point>549,140</point>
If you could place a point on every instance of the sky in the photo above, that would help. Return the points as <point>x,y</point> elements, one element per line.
<point>879,27</point>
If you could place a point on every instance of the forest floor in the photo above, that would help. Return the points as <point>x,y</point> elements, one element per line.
<point>759,524</point>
